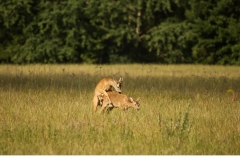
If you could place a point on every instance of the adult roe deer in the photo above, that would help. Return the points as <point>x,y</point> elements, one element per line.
<point>103,87</point>
<point>121,101</point>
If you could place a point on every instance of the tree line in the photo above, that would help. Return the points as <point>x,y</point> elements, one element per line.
<point>116,31</point>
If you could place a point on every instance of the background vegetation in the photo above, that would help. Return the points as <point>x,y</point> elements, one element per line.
<point>185,109</point>
<point>149,31</point>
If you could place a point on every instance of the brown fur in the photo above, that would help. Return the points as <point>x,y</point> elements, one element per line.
<point>121,101</point>
<point>102,87</point>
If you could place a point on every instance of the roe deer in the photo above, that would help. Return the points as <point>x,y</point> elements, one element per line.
<point>121,101</point>
<point>102,87</point>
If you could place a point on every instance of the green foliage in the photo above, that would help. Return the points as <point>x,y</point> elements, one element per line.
<point>152,31</point>
<point>171,41</point>
<point>14,17</point>
<point>217,27</point>
<point>179,128</point>
<point>53,36</point>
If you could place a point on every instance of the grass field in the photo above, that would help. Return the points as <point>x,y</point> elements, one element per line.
<point>185,109</point>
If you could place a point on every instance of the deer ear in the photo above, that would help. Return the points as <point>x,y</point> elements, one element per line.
<point>138,99</point>
<point>130,98</point>
<point>120,80</point>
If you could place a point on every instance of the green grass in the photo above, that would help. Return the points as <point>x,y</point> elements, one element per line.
<point>185,109</point>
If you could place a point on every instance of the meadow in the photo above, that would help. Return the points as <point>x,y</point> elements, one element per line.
<point>185,110</point>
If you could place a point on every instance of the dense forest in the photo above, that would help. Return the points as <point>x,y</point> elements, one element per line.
<point>117,31</point>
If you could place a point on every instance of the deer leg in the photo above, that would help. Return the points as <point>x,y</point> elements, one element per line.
<point>109,101</point>
<point>95,103</point>
<point>103,107</point>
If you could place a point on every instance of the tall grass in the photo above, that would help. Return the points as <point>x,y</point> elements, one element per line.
<point>185,109</point>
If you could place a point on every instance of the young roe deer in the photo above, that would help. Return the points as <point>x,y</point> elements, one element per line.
<point>121,101</point>
<point>102,87</point>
